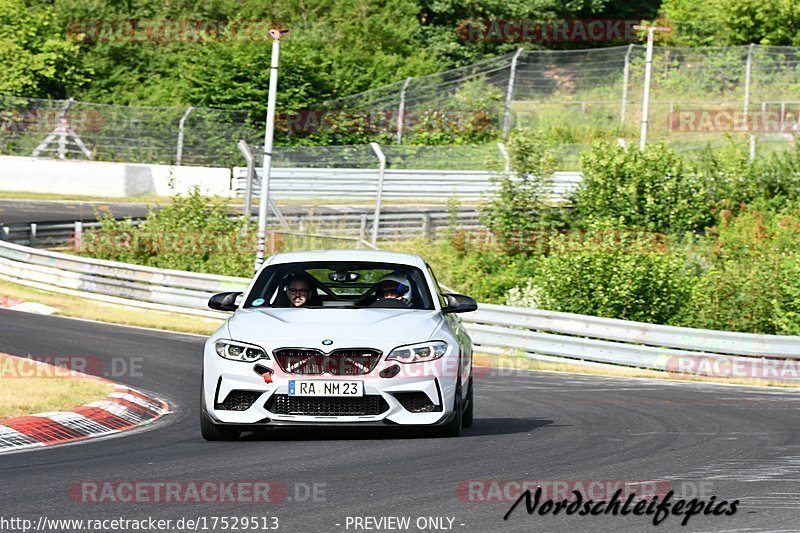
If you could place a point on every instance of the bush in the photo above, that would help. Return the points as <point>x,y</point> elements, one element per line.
<point>753,282</point>
<point>610,274</point>
<point>193,233</point>
<point>651,190</point>
<point>772,181</point>
<point>520,206</point>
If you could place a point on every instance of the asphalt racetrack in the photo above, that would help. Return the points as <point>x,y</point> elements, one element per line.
<point>700,440</point>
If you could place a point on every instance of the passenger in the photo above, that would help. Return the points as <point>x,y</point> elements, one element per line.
<point>393,288</point>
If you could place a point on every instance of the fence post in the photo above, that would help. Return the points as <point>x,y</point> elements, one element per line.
<point>248,191</point>
<point>506,158</point>
<point>362,230</point>
<point>427,227</point>
<point>379,193</point>
<point>783,112</point>
<point>626,72</point>
<point>401,111</point>
<point>747,70</point>
<point>752,147</point>
<point>510,94</point>
<point>671,112</point>
<point>181,123</point>
<point>648,71</point>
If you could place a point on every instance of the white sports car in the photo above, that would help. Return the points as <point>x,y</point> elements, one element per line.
<point>338,338</point>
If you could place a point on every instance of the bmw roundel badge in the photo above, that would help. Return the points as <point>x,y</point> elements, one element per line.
<point>327,342</point>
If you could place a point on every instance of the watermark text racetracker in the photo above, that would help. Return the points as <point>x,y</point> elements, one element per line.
<point>138,492</point>
<point>307,121</point>
<point>64,366</point>
<point>700,120</point>
<point>548,31</point>
<point>167,30</point>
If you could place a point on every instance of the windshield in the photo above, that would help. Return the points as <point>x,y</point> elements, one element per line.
<point>341,284</point>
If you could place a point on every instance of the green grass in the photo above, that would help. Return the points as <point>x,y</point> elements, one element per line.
<point>73,306</point>
<point>29,388</point>
<point>511,362</point>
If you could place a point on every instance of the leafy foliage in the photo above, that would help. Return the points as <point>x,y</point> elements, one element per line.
<point>612,274</point>
<point>753,281</point>
<point>35,61</point>
<point>191,233</point>
<point>731,22</point>
<point>651,190</point>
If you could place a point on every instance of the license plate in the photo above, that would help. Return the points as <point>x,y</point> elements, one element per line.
<point>319,387</point>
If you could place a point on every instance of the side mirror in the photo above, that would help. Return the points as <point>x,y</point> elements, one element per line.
<point>458,303</point>
<point>224,301</point>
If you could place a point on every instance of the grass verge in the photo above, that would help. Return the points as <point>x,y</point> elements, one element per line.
<point>30,387</point>
<point>510,363</point>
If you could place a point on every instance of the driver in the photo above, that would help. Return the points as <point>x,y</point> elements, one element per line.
<point>393,287</point>
<point>300,290</point>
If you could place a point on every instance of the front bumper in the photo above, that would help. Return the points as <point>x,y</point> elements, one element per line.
<point>223,378</point>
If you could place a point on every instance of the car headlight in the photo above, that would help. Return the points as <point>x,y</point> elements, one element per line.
<point>239,351</point>
<point>418,353</point>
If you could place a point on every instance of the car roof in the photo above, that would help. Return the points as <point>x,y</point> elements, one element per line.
<point>376,256</point>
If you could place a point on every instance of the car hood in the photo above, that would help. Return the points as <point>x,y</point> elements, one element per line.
<point>339,325</point>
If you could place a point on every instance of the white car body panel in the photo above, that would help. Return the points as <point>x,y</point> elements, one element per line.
<point>367,328</point>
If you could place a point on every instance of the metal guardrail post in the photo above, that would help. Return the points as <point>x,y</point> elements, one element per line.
<point>376,221</point>
<point>506,157</point>
<point>5,233</point>
<point>32,235</point>
<point>78,236</point>
<point>179,154</point>
<point>401,111</point>
<point>427,226</point>
<point>248,192</point>
<point>362,231</point>
<point>747,69</point>
<point>510,94</point>
<point>626,73</point>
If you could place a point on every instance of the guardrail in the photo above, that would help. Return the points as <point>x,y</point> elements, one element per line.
<point>352,225</point>
<point>572,338</point>
<point>466,185</point>
<point>173,290</point>
<point>547,335</point>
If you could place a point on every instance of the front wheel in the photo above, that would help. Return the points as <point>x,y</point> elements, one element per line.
<point>467,418</point>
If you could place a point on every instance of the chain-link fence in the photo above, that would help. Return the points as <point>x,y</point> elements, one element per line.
<point>453,118</point>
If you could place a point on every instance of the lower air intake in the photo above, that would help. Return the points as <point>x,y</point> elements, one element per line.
<point>416,402</point>
<point>283,404</point>
<point>239,400</point>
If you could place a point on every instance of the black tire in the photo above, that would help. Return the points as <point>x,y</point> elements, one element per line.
<point>453,427</point>
<point>208,429</point>
<point>467,417</point>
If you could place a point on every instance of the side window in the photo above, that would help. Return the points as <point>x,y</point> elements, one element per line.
<point>442,301</point>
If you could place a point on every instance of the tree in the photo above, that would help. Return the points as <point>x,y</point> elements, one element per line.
<point>36,58</point>
<point>733,22</point>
